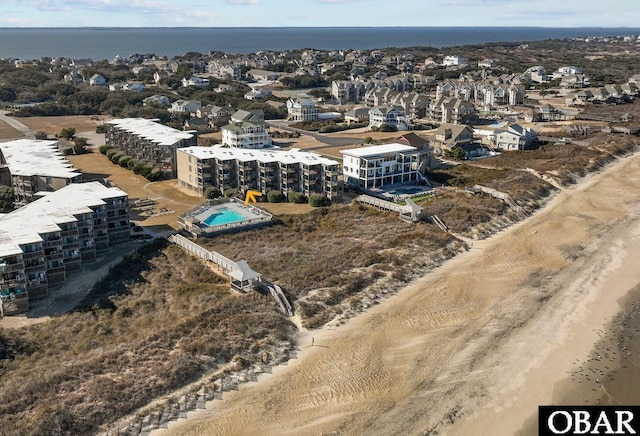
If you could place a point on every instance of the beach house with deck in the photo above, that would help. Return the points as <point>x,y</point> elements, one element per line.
<point>380,165</point>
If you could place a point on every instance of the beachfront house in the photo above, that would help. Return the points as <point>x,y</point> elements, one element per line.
<point>514,137</point>
<point>380,165</point>
<point>450,136</point>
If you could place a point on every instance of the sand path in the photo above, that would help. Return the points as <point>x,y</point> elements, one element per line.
<point>485,336</point>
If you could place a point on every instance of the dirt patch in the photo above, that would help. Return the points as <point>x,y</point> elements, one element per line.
<point>8,132</point>
<point>53,125</point>
<point>170,201</point>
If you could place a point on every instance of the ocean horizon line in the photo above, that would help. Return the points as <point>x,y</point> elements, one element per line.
<point>314,27</point>
<point>93,42</point>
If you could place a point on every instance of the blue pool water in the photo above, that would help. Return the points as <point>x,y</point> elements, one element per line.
<point>408,190</point>
<point>223,216</point>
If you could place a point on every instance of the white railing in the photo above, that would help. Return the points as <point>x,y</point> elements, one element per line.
<point>223,262</point>
<point>230,266</point>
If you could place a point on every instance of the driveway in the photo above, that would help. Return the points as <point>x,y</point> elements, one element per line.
<point>16,124</point>
<point>328,141</point>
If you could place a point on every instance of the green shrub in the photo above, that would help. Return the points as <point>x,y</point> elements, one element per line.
<point>275,197</point>
<point>132,163</point>
<point>230,192</point>
<point>387,128</point>
<point>123,161</point>
<point>154,174</point>
<point>296,197</point>
<point>318,200</point>
<point>111,151</point>
<point>137,168</point>
<point>146,171</point>
<point>104,148</point>
<point>102,128</point>
<point>212,192</point>
<point>115,157</point>
<point>330,129</point>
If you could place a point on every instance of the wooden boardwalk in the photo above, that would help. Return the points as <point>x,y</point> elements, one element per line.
<point>240,271</point>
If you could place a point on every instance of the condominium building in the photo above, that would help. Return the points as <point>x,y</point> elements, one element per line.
<point>32,166</point>
<point>381,165</point>
<point>44,240</point>
<point>284,171</point>
<point>149,141</point>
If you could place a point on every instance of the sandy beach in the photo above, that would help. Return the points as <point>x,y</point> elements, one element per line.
<point>475,346</point>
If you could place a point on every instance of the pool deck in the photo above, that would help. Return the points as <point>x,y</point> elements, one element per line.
<point>193,220</point>
<point>395,192</point>
<point>248,212</point>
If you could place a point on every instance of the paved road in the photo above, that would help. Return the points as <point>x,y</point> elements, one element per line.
<point>328,141</point>
<point>16,124</point>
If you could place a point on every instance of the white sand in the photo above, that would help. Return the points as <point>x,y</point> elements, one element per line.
<point>479,343</point>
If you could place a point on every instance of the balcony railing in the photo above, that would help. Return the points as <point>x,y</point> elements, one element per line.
<point>34,268</point>
<point>55,269</point>
<point>11,267</point>
<point>36,283</point>
<point>33,254</point>
<point>52,243</point>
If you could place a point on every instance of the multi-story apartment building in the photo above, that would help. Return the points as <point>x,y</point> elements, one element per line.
<point>246,130</point>
<point>33,166</point>
<point>348,91</point>
<point>452,110</point>
<point>149,141</point>
<point>224,69</point>
<point>44,240</point>
<point>381,165</point>
<point>302,109</point>
<point>284,171</point>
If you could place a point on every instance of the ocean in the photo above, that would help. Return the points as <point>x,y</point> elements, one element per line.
<point>106,43</point>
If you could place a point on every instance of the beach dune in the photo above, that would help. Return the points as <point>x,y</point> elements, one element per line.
<point>473,347</point>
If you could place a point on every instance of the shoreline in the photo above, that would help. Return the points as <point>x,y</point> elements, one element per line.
<point>425,349</point>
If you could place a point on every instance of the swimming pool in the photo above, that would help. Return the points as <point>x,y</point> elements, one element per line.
<point>407,191</point>
<point>223,216</point>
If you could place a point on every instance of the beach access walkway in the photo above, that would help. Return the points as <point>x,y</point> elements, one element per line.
<point>241,277</point>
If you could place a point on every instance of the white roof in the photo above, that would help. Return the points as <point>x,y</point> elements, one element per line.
<point>34,157</point>
<point>151,130</point>
<point>246,155</point>
<point>24,225</point>
<point>377,150</point>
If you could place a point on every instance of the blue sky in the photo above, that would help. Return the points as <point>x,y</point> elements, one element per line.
<point>307,13</point>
